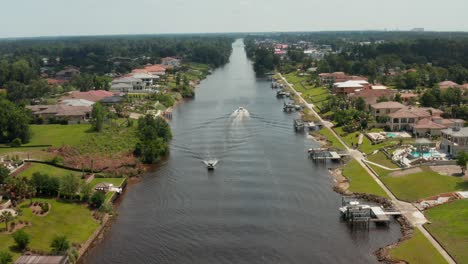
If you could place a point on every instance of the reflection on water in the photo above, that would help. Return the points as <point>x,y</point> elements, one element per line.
<point>266,202</point>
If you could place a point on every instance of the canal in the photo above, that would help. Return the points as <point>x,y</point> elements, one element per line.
<point>266,202</point>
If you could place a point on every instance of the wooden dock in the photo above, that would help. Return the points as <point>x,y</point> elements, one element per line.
<point>325,154</point>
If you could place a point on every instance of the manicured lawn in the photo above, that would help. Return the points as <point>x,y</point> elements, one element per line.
<point>360,181</point>
<point>415,186</point>
<point>47,169</point>
<point>117,182</point>
<point>417,250</point>
<point>349,139</point>
<point>58,135</point>
<point>381,159</point>
<point>449,225</point>
<point>69,219</point>
<point>331,137</point>
<point>109,196</point>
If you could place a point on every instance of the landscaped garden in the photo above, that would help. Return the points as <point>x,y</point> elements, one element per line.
<point>75,221</point>
<point>449,225</point>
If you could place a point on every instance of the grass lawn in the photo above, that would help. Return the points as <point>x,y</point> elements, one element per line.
<point>69,219</point>
<point>415,186</point>
<point>331,137</point>
<point>381,159</point>
<point>117,182</point>
<point>411,251</point>
<point>449,225</point>
<point>110,140</point>
<point>349,139</point>
<point>58,135</point>
<point>360,181</point>
<point>47,169</point>
<point>109,196</point>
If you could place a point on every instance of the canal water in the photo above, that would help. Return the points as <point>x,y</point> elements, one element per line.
<point>266,202</point>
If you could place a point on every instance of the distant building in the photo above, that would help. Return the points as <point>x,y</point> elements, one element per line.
<point>169,61</point>
<point>67,73</point>
<point>350,86</point>
<point>448,84</point>
<point>385,108</point>
<point>418,30</point>
<point>330,78</point>
<point>77,102</point>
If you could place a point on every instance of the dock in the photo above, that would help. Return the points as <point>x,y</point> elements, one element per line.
<point>298,125</point>
<point>325,154</point>
<point>361,215</point>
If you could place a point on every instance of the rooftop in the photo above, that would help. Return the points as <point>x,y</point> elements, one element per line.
<point>92,96</point>
<point>462,132</point>
<point>387,105</point>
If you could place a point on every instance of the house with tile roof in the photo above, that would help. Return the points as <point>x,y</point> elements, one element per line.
<point>60,112</point>
<point>93,95</point>
<point>385,108</point>
<point>371,96</point>
<point>350,86</point>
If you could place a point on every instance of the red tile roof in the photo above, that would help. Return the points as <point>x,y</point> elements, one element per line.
<point>155,68</point>
<point>426,123</point>
<point>92,96</point>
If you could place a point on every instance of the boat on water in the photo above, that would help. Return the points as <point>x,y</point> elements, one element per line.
<point>211,164</point>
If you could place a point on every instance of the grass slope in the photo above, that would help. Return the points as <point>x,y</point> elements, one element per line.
<point>449,225</point>
<point>360,181</point>
<point>47,169</point>
<point>410,251</point>
<point>415,186</point>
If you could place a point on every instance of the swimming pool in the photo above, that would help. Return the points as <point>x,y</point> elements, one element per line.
<point>417,154</point>
<point>391,135</point>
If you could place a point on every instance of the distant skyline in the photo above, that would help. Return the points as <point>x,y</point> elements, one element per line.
<point>32,18</point>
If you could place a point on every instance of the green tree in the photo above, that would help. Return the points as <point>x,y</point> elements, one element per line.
<point>59,245</point>
<point>398,98</point>
<point>462,160</point>
<point>4,173</point>
<point>97,199</point>
<point>5,257</point>
<point>98,116</point>
<point>6,217</point>
<point>69,185</point>
<point>14,122</point>
<point>360,104</point>
<point>86,191</point>
<point>21,239</point>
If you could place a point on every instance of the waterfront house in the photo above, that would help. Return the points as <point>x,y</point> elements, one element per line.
<point>147,80</point>
<point>454,140</point>
<point>60,112</point>
<point>156,69</point>
<point>350,86</point>
<point>406,117</point>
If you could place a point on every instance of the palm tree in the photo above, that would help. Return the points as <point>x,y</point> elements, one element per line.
<point>6,217</point>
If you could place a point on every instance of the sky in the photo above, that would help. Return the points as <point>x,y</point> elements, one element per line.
<point>31,18</point>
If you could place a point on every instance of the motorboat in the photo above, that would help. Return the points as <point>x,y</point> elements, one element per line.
<point>211,164</point>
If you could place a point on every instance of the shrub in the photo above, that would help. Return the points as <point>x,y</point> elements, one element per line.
<point>59,245</point>
<point>97,199</point>
<point>21,239</point>
<point>5,258</point>
<point>15,143</point>
<point>45,207</point>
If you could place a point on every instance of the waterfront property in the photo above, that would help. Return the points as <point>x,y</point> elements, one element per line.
<point>454,140</point>
<point>350,86</point>
<point>63,113</point>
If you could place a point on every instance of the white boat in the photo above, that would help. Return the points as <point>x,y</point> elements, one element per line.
<point>211,164</point>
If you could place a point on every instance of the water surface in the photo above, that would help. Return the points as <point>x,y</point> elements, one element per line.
<point>265,203</point>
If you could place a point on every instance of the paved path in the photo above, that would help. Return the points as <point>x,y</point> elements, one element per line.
<point>381,166</point>
<point>414,216</point>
